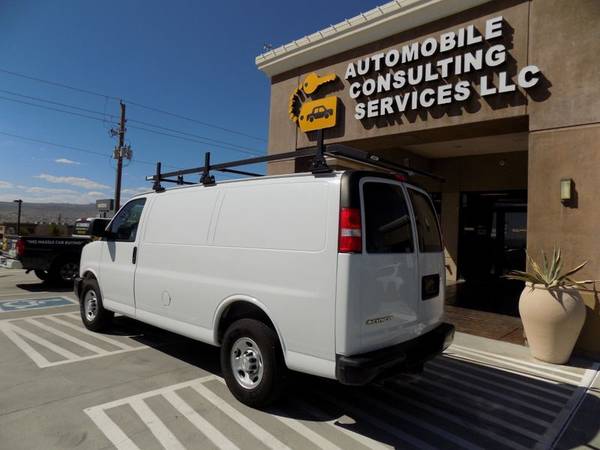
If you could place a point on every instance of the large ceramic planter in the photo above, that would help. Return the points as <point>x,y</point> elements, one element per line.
<point>552,319</point>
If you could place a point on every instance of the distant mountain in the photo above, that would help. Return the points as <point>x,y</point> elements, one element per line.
<point>46,212</point>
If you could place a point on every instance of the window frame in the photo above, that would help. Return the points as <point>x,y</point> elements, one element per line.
<point>408,204</point>
<point>113,237</point>
<point>418,191</point>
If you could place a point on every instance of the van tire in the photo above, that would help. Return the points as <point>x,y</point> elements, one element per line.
<point>272,379</point>
<point>93,315</point>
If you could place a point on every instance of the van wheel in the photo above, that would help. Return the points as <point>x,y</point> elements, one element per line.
<point>93,314</point>
<point>252,362</point>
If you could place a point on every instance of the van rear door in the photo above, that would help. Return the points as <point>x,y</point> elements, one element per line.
<point>379,285</point>
<point>430,249</point>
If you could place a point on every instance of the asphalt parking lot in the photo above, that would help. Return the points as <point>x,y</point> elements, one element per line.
<point>139,387</point>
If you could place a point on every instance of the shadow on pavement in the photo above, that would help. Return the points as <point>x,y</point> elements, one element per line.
<point>454,403</point>
<point>44,287</point>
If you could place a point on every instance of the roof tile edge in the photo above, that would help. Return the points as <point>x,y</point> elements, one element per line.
<point>378,23</point>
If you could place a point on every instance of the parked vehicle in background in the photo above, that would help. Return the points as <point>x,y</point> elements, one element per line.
<point>52,259</point>
<point>338,275</point>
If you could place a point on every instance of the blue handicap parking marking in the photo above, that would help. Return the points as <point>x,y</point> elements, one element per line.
<point>38,303</point>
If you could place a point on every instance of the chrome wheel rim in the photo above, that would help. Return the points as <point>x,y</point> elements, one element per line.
<point>90,305</point>
<point>246,363</point>
<point>68,271</point>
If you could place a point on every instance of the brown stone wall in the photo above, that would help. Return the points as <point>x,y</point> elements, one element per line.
<point>476,109</point>
<point>564,41</point>
<point>564,141</point>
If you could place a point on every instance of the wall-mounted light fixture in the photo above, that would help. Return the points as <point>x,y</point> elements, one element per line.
<point>566,190</point>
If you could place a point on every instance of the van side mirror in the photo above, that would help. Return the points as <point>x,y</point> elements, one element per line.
<point>98,228</point>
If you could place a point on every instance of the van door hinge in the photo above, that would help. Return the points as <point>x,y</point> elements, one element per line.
<point>134,256</point>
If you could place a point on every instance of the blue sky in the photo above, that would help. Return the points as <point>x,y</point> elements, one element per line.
<point>194,58</point>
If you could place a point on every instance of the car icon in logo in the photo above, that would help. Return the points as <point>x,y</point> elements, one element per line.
<point>318,112</point>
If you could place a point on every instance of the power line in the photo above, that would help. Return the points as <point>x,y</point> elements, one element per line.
<point>179,116</point>
<point>52,102</point>
<point>52,109</point>
<point>214,142</point>
<point>139,105</point>
<point>54,83</point>
<point>71,147</point>
<point>183,138</point>
<point>207,141</point>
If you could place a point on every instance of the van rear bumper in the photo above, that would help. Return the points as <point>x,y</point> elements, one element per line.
<point>363,368</point>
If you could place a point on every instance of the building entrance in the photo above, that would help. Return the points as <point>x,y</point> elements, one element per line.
<point>492,241</point>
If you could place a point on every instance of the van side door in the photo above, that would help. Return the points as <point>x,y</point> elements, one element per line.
<point>118,260</point>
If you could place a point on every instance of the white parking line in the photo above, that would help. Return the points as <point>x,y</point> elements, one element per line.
<point>303,430</point>
<point>14,330</point>
<point>484,369</point>
<point>408,417</point>
<point>156,426</point>
<point>111,430</point>
<point>45,343</point>
<point>492,418</point>
<point>381,424</point>
<point>544,367</point>
<point>496,393</point>
<point>361,439</point>
<point>523,366</point>
<point>216,437</point>
<point>67,337</point>
<point>501,386</point>
<point>258,432</point>
<point>87,332</point>
<point>564,418</point>
<point>423,418</point>
<point>159,427</point>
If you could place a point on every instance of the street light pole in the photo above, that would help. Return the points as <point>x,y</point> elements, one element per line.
<point>19,203</point>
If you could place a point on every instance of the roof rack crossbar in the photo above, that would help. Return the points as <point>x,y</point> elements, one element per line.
<point>318,164</point>
<point>242,162</point>
<point>207,179</point>
<point>241,172</point>
<point>354,154</point>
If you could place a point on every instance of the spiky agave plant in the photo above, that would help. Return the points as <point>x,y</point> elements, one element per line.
<point>549,273</point>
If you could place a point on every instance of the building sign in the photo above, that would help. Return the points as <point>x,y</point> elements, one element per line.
<point>309,114</point>
<point>392,82</point>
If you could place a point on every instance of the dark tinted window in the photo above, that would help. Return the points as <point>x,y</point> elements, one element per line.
<point>124,226</point>
<point>427,226</point>
<point>387,222</point>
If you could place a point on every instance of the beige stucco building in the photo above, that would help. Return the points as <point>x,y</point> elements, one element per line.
<point>501,98</point>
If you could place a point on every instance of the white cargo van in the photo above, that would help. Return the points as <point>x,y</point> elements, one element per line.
<point>339,275</point>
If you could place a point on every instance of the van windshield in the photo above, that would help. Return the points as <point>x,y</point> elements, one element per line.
<point>427,227</point>
<point>387,221</point>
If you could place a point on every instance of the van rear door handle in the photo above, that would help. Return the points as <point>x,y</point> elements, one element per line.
<point>134,256</point>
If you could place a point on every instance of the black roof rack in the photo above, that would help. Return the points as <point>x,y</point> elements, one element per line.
<point>318,165</point>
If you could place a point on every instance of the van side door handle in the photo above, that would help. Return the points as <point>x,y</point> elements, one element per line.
<point>134,256</point>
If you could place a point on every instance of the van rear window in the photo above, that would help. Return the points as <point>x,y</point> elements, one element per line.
<point>387,221</point>
<point>427,226</point>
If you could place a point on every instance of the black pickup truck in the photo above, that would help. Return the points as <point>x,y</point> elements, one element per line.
<point>52,259</point>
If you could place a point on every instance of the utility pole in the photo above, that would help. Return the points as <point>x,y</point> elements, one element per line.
<point>19,203</point>
<point>121,151</point>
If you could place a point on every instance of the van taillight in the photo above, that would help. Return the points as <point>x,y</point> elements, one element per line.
<point>20,247</point>
<point>350,235</point>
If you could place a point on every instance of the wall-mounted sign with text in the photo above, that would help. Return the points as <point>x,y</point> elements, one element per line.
<point>392,82</point>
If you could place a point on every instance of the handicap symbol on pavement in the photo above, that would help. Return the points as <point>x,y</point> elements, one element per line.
<point>18,305</point>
